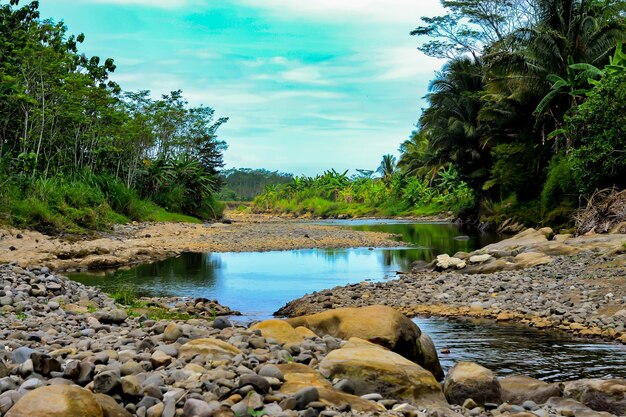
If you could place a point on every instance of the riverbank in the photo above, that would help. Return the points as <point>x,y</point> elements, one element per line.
<point>69,350</point>
<point>148,242</point>
<point>520,279</point>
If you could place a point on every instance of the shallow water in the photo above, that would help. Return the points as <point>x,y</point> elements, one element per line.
<point>513,349</point>
<point>259,283</point>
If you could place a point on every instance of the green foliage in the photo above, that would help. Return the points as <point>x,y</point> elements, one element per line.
<point>599,126</point>
<point>334,194</point>
<point>244,184</point>
<point>559,187</point>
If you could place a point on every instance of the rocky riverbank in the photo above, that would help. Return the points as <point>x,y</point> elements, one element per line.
<point>149,242</point>
<point>583,292</point>
<point>70,351</point>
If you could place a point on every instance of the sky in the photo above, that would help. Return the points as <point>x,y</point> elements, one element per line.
<point>308,85</point>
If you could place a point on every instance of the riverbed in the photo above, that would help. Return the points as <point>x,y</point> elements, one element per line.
<point>258,283</point>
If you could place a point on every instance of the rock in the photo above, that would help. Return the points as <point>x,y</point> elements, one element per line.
<point>375,369</point>
<point>198,408</point>
<point>279,330</point>
<point>304,396</point>
<point>110,408</point>
<point>431,359</point>
<point>528,259</point>
<point>517,389</point>
<point>446,262</point>
<point>599,394</point>
<point>22,354</point>
<point>378,324</point>
<point>569,407</point>
<point>222,323</point>
<point>259,383</point>
<point>210,347</point>
<point>470,380</point>
<point>172,332</point>
<point>271,371</point>
<point>304,332</point>
<point>57,401</point>
<point>298,376</point>
<point>160,358</point>
<point>106,382</point>
<point>131,386</point>
<point>479,259</point>
<point>115,316</point>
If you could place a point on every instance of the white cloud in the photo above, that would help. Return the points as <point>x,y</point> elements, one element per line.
<point>160,4</point>
<point>304,75</point>
<point>375,10</point>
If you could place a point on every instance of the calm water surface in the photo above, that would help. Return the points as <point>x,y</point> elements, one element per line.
<point>259,283</point>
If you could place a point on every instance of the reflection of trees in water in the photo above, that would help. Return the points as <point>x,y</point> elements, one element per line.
<point>188,269</point>
<point>432,238</point>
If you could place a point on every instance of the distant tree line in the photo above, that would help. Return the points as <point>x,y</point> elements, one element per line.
<point>243,184</point>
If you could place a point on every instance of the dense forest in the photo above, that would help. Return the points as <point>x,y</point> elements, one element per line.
<point>77,152</point>
<point>526,117</point>
<point>243,184</point>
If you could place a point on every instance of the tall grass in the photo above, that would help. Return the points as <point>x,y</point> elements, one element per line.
<point>76,203</point>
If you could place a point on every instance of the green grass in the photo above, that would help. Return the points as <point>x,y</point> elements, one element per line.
<point>78,204</point>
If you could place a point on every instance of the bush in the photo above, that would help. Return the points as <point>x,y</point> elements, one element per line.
<point>560,187</point>
<point>598,129</point>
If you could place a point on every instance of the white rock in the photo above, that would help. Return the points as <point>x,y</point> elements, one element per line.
<point>479,259</point>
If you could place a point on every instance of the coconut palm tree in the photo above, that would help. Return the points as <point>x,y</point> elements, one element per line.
<point>387,167</point>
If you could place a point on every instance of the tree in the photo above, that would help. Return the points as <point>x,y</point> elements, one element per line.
<point>387,167</point>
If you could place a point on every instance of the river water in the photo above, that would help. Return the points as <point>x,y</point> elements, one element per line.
<point>259,283</point>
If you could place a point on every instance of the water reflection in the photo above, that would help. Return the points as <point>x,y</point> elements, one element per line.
<point>512,349</point>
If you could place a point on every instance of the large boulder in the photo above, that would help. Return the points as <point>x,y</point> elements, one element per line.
<point>298,376</point>
<point>374,369</point>
<point>569,407</point>
<point>377,324</point>
<point>470,380</point>
<point>57,401</point>
<point>599,394</point>
<point>517,389</point>
<point>279,330</point>
<point>209,347</point>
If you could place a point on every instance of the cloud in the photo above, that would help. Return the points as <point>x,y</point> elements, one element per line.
<point>373,10</point>
<point>304,75</point>
<point>160,4</point>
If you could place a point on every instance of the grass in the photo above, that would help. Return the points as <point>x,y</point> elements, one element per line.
<point>135,306</point>
<point>76,204</point>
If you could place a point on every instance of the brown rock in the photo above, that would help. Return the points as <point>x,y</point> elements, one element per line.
<point>470,380</point>
<point>110,408</point>
<point>517,389</point>
<point>298,376</point>
<point>213,348</point>
<point>57,401</point>
<point>599,394</point>
<point>378,324</point>
<point>279,330</point>
<point>375,369</point>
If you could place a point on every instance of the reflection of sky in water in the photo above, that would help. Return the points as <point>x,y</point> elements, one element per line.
<point>259,283</point>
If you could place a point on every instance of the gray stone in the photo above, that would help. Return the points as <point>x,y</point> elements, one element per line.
<point>106,382</point>
<point>306,395</point>
<point>259,383</point>
<point>22,354</point>
<point>271,371</point>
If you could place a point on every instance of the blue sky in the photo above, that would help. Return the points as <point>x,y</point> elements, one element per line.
<point>308,85</point>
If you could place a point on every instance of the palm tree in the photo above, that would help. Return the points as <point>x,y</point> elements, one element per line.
<point>451,122</point>
<point>387,167</point>
<point>567,31</point>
